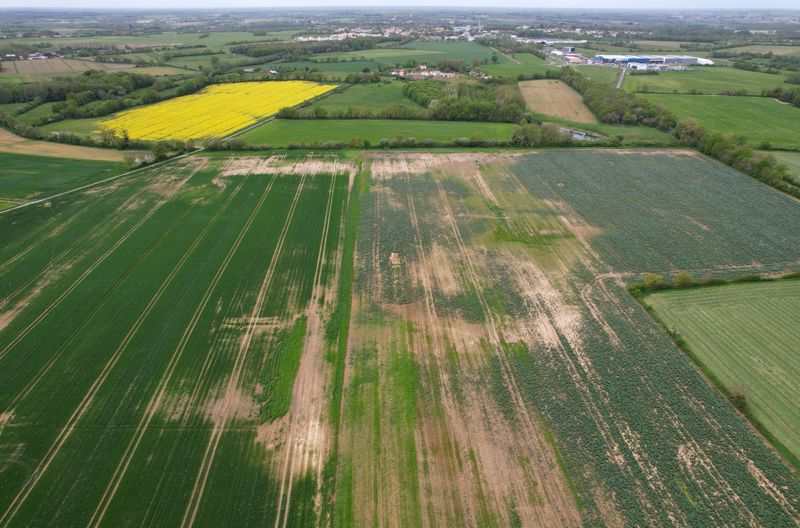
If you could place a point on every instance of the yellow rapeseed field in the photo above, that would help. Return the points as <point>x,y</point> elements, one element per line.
<point>216,111</point>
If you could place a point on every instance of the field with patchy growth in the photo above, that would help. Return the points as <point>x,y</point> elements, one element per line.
<point>489,319</point>
<point>394,339</point>
<point>216,111</point>
<point>746,336</point>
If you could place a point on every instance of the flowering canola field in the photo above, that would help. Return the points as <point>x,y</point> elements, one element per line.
<point>216,111</point>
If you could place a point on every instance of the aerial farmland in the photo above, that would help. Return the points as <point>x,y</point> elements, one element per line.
<point>347,270</point>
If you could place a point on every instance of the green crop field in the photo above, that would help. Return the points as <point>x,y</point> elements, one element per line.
<point>283,132</point>
<point>24,178</point>
<point>86,126</point>
<point>422,51</point>
<point>758,119</point>
<point>373,97</point>
<point>711,80</point>
<point>662,211</point>
<point>520,64</point>
<point>746,336</point>
<point>213,40</point>
<point>151,333</point>
<point>766,48</point>
<point>333,68</point>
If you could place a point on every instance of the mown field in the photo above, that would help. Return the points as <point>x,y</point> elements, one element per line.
<point>711,80</point>
<point>24,178</point>
<point>554,98</point>
<point>151,336</point>
<point>282,132</point>
<point>746,337</point>
<point>759,119</point>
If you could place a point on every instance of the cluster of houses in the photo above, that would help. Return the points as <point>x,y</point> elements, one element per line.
<point>423,72</point>
<point>31,56</point>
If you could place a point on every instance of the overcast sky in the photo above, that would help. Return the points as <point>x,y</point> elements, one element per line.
<point>214,4</point>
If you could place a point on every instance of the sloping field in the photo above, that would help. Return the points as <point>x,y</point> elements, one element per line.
<point>758,119</point>
<point>24,178</point>
<point>18,145</point>
<point>746,335</point>
<point>554,98</point>
<point>150,333</point>
<point>216,111</point>
<point>704,80</point>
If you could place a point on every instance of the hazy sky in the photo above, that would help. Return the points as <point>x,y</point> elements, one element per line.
<point>200,4</point>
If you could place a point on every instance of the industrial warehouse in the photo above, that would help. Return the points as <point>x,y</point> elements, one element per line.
<point>655,62</point>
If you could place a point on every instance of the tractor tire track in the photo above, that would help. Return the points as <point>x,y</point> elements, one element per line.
<point>70,426</point>
<point>193,504</point>
<point>157,398</point>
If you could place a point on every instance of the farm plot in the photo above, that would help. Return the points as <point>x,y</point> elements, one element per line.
<point>484,319</point>
<point>25,178</point>
<point>759,119</point>
<point>554,98</point>
<point>216,111</point>
<point>367,97</point>
<point>161,347</point>
<point>669,210</point>
<point>746,336</point>
<point>283,132</point>
<point>710,80</point>
<point>520,64</point>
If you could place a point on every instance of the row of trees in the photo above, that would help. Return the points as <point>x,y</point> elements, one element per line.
<point>789,95</point>
<point>289,51</point>
<point>618,106</point>
<point>91,85</point>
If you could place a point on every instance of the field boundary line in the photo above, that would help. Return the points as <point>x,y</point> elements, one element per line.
<point>100,182</point>
<point>69,427</point>
<point>157,397</point>
<point>216,434</point>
